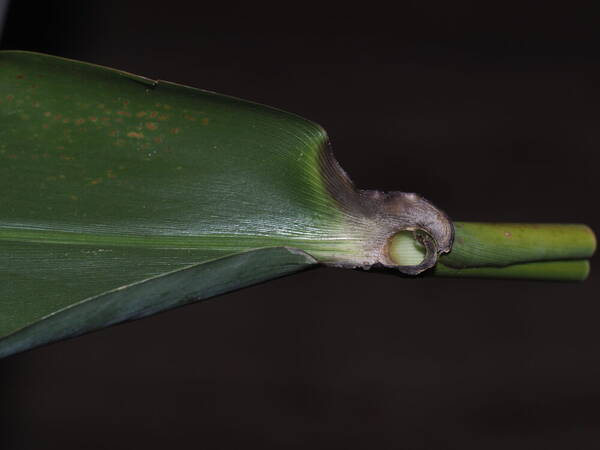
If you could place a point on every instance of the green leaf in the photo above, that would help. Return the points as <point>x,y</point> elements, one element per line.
<point>110,180</point>
<point>151,296</point>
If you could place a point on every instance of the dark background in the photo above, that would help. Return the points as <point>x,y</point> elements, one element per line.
<point>491,111</point>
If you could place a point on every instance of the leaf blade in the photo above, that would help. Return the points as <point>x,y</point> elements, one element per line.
<point>95,154</point>
<point>109,178</point>
<point>157,294</point>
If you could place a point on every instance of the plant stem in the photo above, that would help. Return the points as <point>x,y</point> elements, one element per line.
<point>500,244</point>
<point>574,270</point>
<point>509,250</point>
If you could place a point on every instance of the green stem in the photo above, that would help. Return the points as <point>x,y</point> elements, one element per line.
<point>501,244</point>
<point>509,250</point>
<point>574,270</point>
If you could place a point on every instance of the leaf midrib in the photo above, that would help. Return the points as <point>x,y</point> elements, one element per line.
<point>153,241</point>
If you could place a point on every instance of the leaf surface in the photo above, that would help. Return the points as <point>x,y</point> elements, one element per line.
<point>109,179</point>
<point>157,294</point>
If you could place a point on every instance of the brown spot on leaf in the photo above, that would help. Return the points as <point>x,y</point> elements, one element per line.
<point>507,234</point>
<point>79,121</point>
<point>141,114</point>
<point>133,134</point>
<point>154,114</point>
<point>151,125</point>
<point>205,121</point>
<point>175,130</point>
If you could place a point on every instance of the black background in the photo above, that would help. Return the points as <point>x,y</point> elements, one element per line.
<point>490,111</point>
